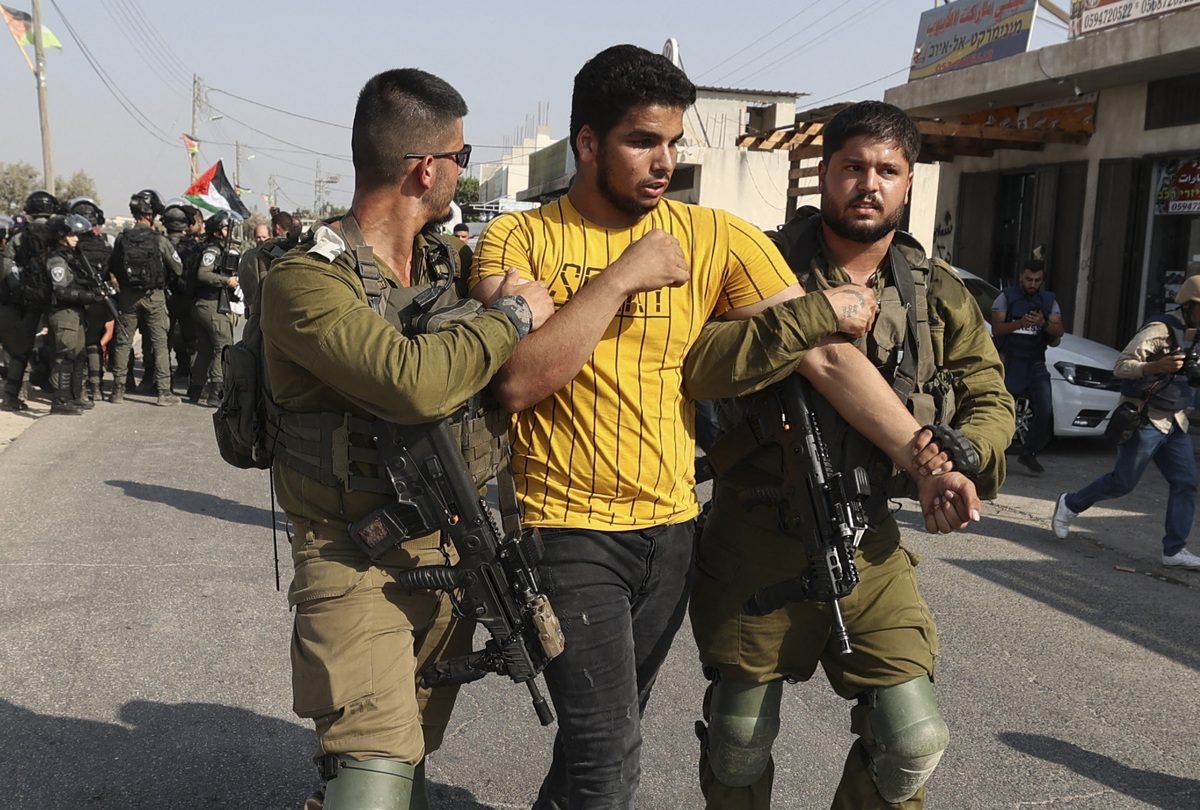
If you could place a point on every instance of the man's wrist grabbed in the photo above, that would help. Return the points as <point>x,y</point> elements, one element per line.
<point>517,310</point>
<point>958,447</point>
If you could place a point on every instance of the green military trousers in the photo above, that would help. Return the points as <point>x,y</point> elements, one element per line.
<point>215,332</point>
<point>145,310</point>
<point>892,634</point>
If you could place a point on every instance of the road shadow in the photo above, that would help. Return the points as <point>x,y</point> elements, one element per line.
<point>158,755</point>
<point>190,755</point>
<point>196,503</point>
<point>1132,606</point>
<point>1155,789</point>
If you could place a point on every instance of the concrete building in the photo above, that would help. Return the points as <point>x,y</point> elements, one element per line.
<point>500,183</point>
<point>1117,215</point>
<point>712,170</point>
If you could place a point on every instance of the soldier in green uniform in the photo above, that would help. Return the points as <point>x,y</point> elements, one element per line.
<point>183,233</point>
<point>25,255</point>
<point>347,340</point>
<point>255,263</point>
<point>69,298</point>
<point>211,285</point>
<point>142,262</point>
<point>931,342</point>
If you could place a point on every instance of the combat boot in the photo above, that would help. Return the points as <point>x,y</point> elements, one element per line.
<point>167,398</point>
<point>117,395</point>
<point>93,391</point>
<point>12,402</point>
<point>60,405</point>
<point>194,393</point>
<point>213,400</point>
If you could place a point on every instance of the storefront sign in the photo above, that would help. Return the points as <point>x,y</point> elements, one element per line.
<point>1178,187</point>
<point>1089,16</point>
<point>964,34</point>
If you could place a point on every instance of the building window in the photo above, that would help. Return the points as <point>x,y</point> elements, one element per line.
<point>1173,102</point>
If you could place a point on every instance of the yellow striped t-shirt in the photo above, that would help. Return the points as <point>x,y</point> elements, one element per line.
<point>614,449</point>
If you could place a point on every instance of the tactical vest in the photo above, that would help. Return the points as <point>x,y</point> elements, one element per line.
<point>205,292</point>
<point>323,445</point>
<point>900,345</point>
<point>30,245</point>
<point>1170,392</point>
<point>96,250</point>
<point>142,263</point>
<point>1024,347</point>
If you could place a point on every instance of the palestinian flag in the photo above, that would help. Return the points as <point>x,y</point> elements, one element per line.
<point>192,145</point>
<point>21,24</point>
<point>213,192</point>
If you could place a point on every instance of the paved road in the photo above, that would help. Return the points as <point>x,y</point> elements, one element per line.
<point>143,648</point>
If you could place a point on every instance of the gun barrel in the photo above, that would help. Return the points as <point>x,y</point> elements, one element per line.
<point>540,705</point>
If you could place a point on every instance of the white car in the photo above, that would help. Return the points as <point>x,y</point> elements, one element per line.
<point>1083,389</point>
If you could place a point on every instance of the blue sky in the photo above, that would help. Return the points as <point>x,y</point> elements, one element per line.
<point>513,62</point>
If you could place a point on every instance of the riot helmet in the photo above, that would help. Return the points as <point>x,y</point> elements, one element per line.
<point>146,203</point>
<point>175,218</point>
<point>219,220</point>
<point>41,203</point>
<point>87,208</point>
<point>63,225</point>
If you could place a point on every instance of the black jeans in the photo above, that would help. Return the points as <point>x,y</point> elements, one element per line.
<point>621,597</point>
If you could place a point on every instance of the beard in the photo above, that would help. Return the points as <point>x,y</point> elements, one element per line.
<point>439,197</point>
<point>626,205</point>
<point>856,230</point>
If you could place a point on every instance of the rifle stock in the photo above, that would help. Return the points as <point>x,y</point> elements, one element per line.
<point>821,507</point>
<point>495,580</point>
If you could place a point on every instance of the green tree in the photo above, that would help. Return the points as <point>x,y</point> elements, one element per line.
<point>468,191</point>
<point>17,180</point>
<point>81,184</point>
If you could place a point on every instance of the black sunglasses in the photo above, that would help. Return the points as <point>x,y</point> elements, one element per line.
<point>462,157</point>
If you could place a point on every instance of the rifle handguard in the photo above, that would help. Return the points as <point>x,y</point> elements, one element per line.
<point>958,447</point>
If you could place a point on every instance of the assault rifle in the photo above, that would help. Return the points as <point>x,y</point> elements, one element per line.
<point>822,507</point>
<point>495,580</point>
<point>101,285</point>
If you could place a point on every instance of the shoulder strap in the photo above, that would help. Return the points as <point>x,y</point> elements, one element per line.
<point>904,381</point>
<point>364,264</point>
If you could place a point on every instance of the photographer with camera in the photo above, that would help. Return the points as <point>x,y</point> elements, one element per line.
<point>1025,320</point>
<point>1158,375</point>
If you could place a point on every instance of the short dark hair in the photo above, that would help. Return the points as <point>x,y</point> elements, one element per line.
<point>1033,266</point>
<point>876,120</point>
<point>462,226</point>
<point>282,220</point>
<point>400,112</point>
<point>620,78</point>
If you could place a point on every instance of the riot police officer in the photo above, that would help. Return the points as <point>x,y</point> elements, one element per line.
<point>11,316</point>
<point>95,249</point>
<point>142,262</point>
<point>69,298</point>
<point>214,274</point>
<point>178,219</point>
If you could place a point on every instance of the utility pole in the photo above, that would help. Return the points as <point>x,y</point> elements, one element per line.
<point>273,192</point>
<point>39,54</point>
<point>195,120</point>
<point>237,166</point>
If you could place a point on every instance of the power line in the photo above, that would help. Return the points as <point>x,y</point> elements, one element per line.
<point>277,109</point>
<point>855,14</point>
<point>146,50</point>
<point>280,140</point>
<point>842,93</point>
<point>764,54</point>
<point>126,103</point>
<point>774,30</point>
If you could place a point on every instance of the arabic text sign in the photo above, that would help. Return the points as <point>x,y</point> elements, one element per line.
<point>963,34</point>
<point>1089,16</point>
<point>1178,187</point>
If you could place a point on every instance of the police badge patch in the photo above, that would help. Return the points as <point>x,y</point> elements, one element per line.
<point>57,274</point>
<point>209,259</point>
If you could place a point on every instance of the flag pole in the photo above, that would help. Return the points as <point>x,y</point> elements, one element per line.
<point>39,53</point>
<point>20,47</point>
